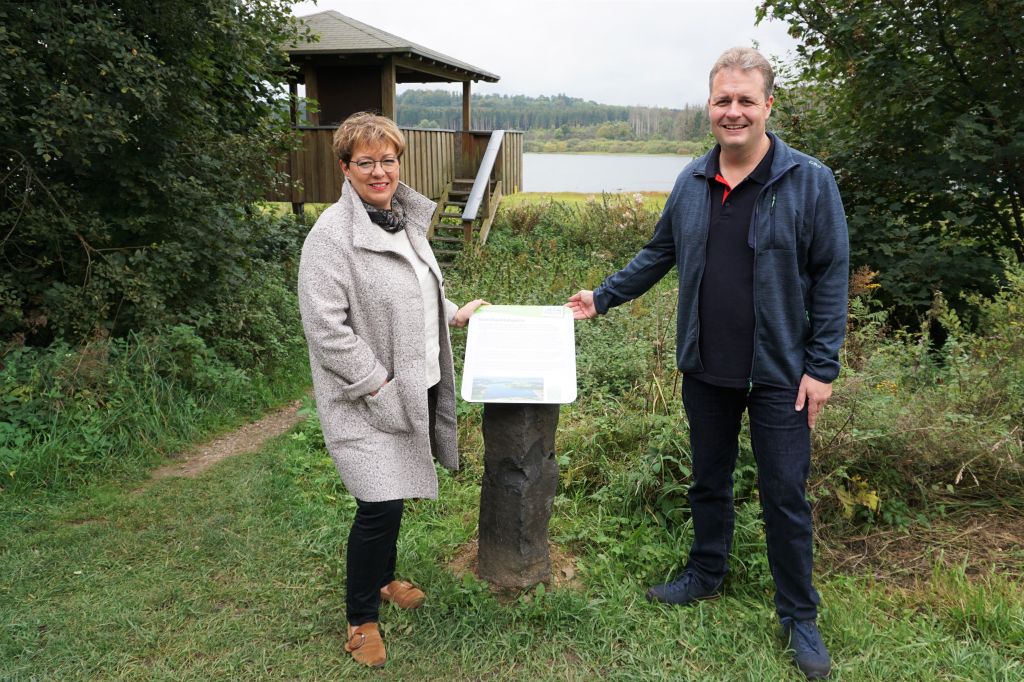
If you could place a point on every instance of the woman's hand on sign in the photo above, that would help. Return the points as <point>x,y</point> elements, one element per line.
<point>463,314</point>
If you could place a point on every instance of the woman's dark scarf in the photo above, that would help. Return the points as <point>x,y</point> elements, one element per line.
<point>390,220</point>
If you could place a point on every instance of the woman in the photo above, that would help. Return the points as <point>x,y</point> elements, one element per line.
<point>375,316</point>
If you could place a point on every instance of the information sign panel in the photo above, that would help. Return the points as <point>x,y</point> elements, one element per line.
<point>520,354</point>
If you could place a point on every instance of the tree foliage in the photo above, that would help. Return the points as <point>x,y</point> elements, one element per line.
<point>915,105</point>
<point>133,134</point>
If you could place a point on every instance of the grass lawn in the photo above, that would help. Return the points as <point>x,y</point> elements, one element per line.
<point>238,574</point>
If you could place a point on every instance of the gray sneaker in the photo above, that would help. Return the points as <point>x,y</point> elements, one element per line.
<point>686,589</point>
<point>809,652</point>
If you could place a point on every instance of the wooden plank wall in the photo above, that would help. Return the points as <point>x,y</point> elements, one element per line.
<point>427,166</point>
<point>314,166</point>
<point>512,162</point>
<point>429,161</point>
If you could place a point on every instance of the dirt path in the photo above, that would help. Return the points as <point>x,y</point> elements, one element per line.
<point>246,440</point>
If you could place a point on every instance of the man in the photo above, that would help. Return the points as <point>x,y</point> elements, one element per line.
<point>757,232</point>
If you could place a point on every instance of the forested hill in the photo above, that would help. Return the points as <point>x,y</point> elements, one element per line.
<point>443,109</point>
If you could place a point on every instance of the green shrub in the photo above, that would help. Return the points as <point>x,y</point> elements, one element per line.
<point>132,136</point>
<point>252,320</point>
<point>911,420</point>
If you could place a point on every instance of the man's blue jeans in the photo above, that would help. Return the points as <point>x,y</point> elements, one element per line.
<point>781,443</point>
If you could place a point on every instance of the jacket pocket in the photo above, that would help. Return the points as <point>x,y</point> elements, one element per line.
<point>783,229</point>
<point>385,411</point>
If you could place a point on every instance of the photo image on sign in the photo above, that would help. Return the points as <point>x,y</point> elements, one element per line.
<point>510,389</point>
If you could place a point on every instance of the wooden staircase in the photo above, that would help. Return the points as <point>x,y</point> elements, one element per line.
<point>447,235</point>
<point>466,208</point>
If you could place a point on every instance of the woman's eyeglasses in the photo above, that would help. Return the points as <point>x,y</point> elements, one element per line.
<point>366,165</point>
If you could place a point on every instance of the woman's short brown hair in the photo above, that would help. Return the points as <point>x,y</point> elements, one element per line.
<point>369,130</point>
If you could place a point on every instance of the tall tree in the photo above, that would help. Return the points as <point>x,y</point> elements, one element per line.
<point>132,134</point>
<point>916,106</point>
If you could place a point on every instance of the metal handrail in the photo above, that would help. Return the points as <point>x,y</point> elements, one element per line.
<point>483,176</point>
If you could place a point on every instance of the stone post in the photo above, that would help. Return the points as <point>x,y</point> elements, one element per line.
<point>520,479</point>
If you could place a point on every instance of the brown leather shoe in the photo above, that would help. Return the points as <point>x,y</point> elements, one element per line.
<point>366,646</point>
<point>403,594</point>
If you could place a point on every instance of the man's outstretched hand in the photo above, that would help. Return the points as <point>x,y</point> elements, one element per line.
<point>582,305</point>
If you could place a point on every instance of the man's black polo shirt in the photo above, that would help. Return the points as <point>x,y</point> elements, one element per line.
<point>727,287</point>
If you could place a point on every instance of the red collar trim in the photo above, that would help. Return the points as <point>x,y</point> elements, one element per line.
<point>728,187</point>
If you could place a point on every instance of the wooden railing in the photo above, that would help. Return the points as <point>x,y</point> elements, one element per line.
<point>428,166</point>
<point>487,189</point>
<point>466,209</point>
<point>484,174</point>
<point>510,172</point>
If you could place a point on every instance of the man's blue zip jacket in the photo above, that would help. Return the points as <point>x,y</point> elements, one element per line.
<point>801,268</point>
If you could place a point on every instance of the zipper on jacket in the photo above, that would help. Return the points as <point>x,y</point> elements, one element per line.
<point>704,261</point>
<point>753,229</point>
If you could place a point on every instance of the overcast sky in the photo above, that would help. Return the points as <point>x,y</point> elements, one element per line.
<point>643,52</point>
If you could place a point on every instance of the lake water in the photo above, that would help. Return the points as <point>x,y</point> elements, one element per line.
<point>601,172</point>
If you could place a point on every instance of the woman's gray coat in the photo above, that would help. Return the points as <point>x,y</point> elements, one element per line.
<point>363,316</point>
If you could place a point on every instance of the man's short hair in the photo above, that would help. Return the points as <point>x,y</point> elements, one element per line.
<point>745,59</point>
<point>368,130</point>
